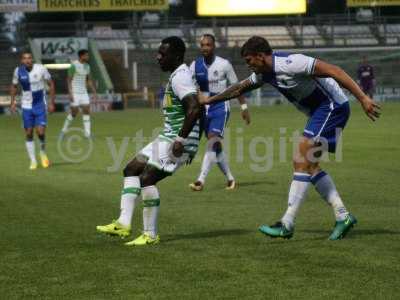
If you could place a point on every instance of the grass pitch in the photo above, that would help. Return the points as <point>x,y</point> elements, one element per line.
<point>210,247</point>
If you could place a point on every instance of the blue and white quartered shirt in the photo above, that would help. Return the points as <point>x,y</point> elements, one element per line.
<point>292,75</point>
<point>213,79</point>
<point>32,84</point>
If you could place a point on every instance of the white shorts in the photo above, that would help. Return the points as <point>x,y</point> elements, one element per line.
<point>158,154</point>
<point>80,99</point>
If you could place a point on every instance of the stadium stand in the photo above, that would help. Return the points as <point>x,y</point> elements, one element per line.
<point>8,63</point>
<point>330,37</point>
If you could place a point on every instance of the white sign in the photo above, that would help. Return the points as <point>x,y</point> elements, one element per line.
<point>18,5</point>
<point>53,48</point>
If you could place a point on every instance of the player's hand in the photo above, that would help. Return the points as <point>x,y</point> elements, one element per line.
<point>177,149</point>
<point>371,108</point>
<point>246,116</point>
<point>13,108</point>
<point>203,99</point>
<point>51,108</point>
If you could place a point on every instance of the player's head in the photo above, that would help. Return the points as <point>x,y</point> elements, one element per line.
<point>27,59</point>
<point>83,55</point>
<point>207,45</point>
<point>171,53</point>
<point>254,51</point>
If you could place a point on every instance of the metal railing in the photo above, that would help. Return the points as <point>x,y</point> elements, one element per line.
<point>142,34</point>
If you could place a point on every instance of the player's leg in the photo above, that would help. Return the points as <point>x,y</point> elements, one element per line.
<point>324,183</point>
<point>86,119</point>
<point>222,161</point>
<point>30,148</point>
<point>320,135</point>
<point>207,160</point>
<point>214,128</point>
<point>28,119</point>
<point>303,162</point>
<point>41,134</point>
<point>40,126</point>
<point>74,110</point>
<point>150,176</point>
<point>129,196</point>
<point>159,165</point>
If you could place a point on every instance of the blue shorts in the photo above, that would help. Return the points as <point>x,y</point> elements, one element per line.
<point>215,122</point>
<point>327,122</point>
<point>34,117</point>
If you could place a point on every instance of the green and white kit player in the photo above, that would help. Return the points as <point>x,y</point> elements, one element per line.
<point>78,80</point>
<point>174,147</point>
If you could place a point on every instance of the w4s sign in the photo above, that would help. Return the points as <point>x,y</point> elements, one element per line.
<point>52,48</point>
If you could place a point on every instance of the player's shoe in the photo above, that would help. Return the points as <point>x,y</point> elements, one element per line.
<point>197,186</point>
<point>114,228</point>
<point>277,230</point>
<point>33,165</point>
<point>44,160</point>
<point>144,240</point>
<point>343,227</point>
<point>230,185</point>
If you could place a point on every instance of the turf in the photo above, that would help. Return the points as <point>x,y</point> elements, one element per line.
<point>210,247</point>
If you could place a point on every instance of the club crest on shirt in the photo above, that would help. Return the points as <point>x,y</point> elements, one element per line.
<point>215,73</point>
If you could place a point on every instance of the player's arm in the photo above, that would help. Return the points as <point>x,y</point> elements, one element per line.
<point>13,94</point>
<point>192,109</point>
<point>232,92</point>
<point>323,69</point>
<point>71,72</point>
<point>92,87</point>
<point>52,89</point>
<point>52,94</point>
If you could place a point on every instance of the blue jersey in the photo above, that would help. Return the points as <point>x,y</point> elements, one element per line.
<point>33,98</point>
<point>213,79</point>
<point>292,76</point>
<point>33,85</point>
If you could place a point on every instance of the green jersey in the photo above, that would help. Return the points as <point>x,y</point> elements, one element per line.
<point>180,85</point>
<point>79,73</point>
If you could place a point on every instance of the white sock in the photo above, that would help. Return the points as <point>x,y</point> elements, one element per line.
<point>67,122</point>
<point>151,203</point>
<point>86,124</point>
<point>210,158</point>
<point>297,195</point>
<point>128,199</point>
<point>30,147</point>
<point>326,188</point>
<point>224,166</point>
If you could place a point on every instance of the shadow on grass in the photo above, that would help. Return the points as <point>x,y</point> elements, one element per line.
<point>206,235</point>
<point>356,231</point>
<point>253,183</point>
<point>63,163</point>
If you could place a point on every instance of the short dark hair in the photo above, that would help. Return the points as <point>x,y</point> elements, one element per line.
<point>23,52</point>
<point>209,35</point>
<point>82,52</point>
<point>176,44</point>
<point>254,45</point>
